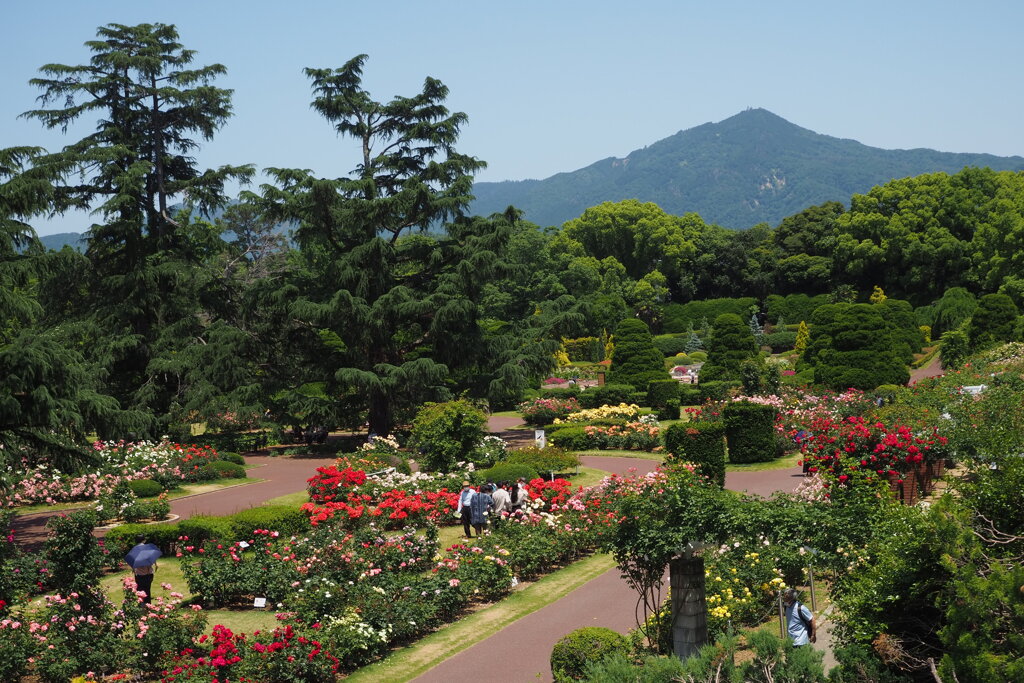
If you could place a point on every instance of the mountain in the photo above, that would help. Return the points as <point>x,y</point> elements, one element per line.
<point>75,240</point>
<point>753,167</point>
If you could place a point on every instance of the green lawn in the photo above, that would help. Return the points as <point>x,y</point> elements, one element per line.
<point>642,455</point>
<point>783,463</point>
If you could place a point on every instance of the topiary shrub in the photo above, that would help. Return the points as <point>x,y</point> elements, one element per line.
<point>233,457</point>
<point>750,432</point>
<point>669,411</point>
<point>119,540</point>
<point>222,469</point>
<point>285,519</point>
<point>703,444</point>
<point>560,392</point>
<point>671,344</point>
<point>570,655</point>
<point>571,438</point>
<point>661,391</point>
<point>716,391</point>
<point>606,395</point>
<point>505,472</point>
<point>690,396</point>
<point>145,488</point>
<point>635,361</point>
<point>780,341</point>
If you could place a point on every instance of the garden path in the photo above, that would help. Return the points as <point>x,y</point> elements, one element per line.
<point>933,369</point>
<point>521,651</point>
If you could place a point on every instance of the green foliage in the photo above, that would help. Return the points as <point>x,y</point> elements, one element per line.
<point>607,395</point>
<point>780,341</point>
<point>702,443</point>
<point>853,346</point>
<point>858,664</point>
<point>636,361</point>
<point>993,322</point>
<point>792,307</point>
<point>680,317</point>
<point>284,519</point>
<point>119,540</point>
<point>953,309</point>
<point>903,322</point>
<point>570,438</point>
<point>72,553</point>
<point>447,433</point>
<point>716,390</point>
<point>506,472</point>
<point>145,488</point>
<point>690,395</point>
<point>669,411</point>
<point>222,469</point>
<point>617,668</point>
<point>731,344</point>
<point>232,457</point>
<point>750,432</point>
<point>954,348</point>
<point>199,528</point>
<point>543,460</point>
<point>659,392</point>
<point>672,344</point>
<point>570,655</point>
<point>589,349</point>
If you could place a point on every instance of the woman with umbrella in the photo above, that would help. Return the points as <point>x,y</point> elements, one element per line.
<point>142,559</point>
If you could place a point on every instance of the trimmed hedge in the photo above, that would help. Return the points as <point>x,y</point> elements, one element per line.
<point>203,528</point>
<point>551,459</point>
<point>233,457</point>
<point>222,469</point>
<point>609,394</point>
<point>659,392</point>
<point>570,655</point>
<point>669,411</point>
<point>505,472</point>
<point>560,392</point>
<point>717,390</point>
<point>780,341</point>
<point>121,539</point>
<point>671,344</point>
<point>750,432</point>
<point>145,488</point>
<point>285,519</point>
<point>690,396</point>
<point>570,438</point>
<point>702,443</point>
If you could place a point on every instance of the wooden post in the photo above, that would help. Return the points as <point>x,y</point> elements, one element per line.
<point>600,378</point>
<point>689,605</point>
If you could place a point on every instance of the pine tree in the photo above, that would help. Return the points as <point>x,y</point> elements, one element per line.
<point>636,360</point>
<point>803,336</point>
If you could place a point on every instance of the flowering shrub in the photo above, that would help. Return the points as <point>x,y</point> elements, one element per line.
<point>330,483</point>
<point>741,582</point>
<point>633,436</point>
<point>544,411</point>
<point>621,412</point>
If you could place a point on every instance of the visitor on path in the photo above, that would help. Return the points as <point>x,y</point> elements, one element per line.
<point>142,559</point>
<point>799,619</point>
<point>463,509</point>
<point>519,495</point>
<point>502,502</point>
<point>480,508</point>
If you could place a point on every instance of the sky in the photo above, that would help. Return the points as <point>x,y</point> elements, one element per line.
<point>555,86</point>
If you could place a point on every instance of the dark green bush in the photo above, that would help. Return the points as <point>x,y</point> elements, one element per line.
<point>690,395</point>
<point>638,398</point>
<point>660,392</point>
<point>204,527</point>
<point>571,438</point>
<point>608,394</point>
<point>669,411</point>
<point>232,457</point>
<point>678,317</point>
<point>780,341</point>
<point>671,344</point>
<point>505,472</point>
<point>233,442</point>
<point>716,391</point>
<point>635,360</point>
<point>145,488</point>
<point>702,443</point>
<point>617,668</point>
<point>285,519</point>
<point>222,469</point>
<point>447,433</point>
<point>560,392</point>
<point>750,432</point>
<point>570,655</point>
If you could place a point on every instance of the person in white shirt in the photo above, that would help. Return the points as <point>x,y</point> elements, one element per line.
<point>502,501</point>
<point>463,508</point>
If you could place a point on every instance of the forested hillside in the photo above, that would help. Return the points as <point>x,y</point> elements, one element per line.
<point>753,167</point>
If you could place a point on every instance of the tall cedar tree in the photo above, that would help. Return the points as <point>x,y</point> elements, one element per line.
<point>48,393</point>
<point>731,343</point>
<point>150,107</point>
<point>396,310</point>
<point>636,360</point>
<point>993,322</point>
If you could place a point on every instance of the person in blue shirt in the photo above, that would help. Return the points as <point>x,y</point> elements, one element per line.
<point>799,619</point>
<point>480,508</point>
<point>463,508</point>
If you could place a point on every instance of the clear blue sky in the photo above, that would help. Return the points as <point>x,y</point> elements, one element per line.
<point>554,86</point>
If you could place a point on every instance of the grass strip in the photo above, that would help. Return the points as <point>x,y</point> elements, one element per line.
<point>783,463</point>
<point>410,662</point>
<point>639,455</point>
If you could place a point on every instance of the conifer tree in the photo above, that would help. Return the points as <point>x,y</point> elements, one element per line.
<point>803,336</point>
<point>731,343</point>
<point>636,360</point>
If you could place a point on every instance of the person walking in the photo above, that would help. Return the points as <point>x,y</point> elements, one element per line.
<point>142,559</point>
<point>502,502</point>
<point>463,508</point>
<point>799,619</point>
<point>480,507</point>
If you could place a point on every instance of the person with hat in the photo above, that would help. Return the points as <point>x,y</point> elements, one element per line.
<point>464,507</point>
<point>799,620</point>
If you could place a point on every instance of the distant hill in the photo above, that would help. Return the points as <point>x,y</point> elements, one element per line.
<point>75,240</point>
<point>753,167</point>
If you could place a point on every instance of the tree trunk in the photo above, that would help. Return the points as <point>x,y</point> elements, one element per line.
<point>380,416</point>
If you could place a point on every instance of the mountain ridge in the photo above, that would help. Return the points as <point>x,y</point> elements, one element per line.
<point>752,167</point>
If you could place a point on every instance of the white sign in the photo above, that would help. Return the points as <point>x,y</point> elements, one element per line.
<point>259,602</point>
<point>541,438</point>
<point>243,544</point>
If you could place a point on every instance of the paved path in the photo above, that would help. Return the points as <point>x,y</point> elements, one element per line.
<point>521,651</point>
<point>933,369</point>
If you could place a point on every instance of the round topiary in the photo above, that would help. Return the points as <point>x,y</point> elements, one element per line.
<point>506,472</point>
<point>145,488</point>
<point>570,655</point>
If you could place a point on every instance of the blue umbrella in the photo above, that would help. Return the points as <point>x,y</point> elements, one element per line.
<point>142,555</point>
